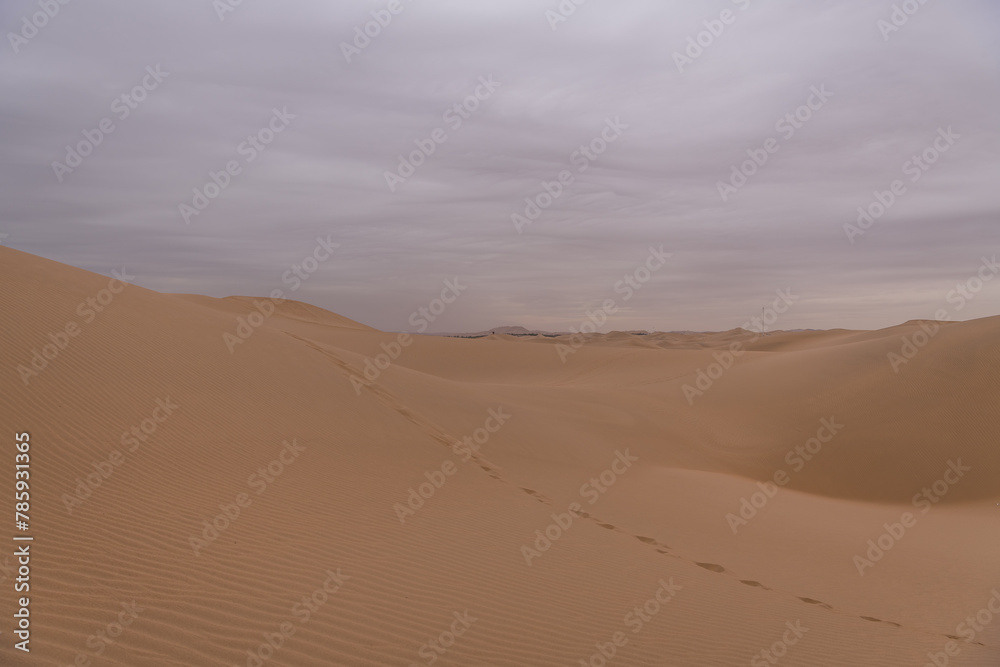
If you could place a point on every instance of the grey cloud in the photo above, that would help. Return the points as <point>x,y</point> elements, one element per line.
<point>655,185</point>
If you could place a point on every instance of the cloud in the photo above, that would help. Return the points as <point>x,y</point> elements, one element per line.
<point>656,184</point>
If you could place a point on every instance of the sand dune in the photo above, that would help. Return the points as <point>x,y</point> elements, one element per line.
<point>211,473</point>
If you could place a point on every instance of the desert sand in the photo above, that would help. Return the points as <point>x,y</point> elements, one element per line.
<point>188,492</point>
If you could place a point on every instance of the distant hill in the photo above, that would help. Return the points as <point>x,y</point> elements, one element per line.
<point>508,330</point>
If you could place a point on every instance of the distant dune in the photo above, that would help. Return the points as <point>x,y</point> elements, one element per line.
<point>210,475</point>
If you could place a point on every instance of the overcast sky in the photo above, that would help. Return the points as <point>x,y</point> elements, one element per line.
<point>682,124</point>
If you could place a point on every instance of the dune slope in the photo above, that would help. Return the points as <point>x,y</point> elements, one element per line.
<point>211,475</point>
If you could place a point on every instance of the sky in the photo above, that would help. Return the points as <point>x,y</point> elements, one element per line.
<point>416,138</point>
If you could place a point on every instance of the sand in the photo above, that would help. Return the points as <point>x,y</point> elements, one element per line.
<point>319,545</point>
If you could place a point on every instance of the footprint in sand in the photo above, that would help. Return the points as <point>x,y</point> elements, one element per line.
<point>662,548</point>
<point>537,496</point>
<point>821,604</point>
<point>879,620</point>
<point>492,472</point>
<point>711,567</point>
